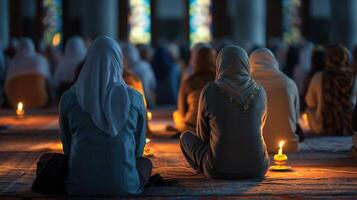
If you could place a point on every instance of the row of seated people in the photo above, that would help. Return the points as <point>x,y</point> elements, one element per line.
<point>330,95</point>
<point>103,121</point>
<point>50,80</point>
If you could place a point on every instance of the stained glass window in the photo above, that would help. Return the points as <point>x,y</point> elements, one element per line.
<point>291,21</point>
<point>139,21</point>
<point>52,22</point>
<point>200,21</point>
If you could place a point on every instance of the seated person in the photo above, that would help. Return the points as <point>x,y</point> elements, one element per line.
<point>65,74</point>
<point>102,128</point>
<point>27,78</point>
<point>331,95</point>
<point>141,69</point>
<point>203,73</point>
<point>231,114</point>
<point>283,101</point>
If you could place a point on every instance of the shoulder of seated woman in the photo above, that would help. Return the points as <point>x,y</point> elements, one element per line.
<point>134,94</point>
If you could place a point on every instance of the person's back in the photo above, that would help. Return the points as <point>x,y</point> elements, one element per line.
<point>237,148</point>
<point>102,128</point>
<point>27,78</point>
<point>282,98</point>
<point>229,143</point>
<point>332,94</point>
<point>100,164</point>
<point>190,89</point>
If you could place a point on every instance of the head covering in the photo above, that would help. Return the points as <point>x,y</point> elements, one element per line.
<point>74,54</point>
<point>265,67</point>
<point>100,89</point>
<point>233,75</point>
<point>337,83</point>
<point>205,60</point>
<point>131,55</point>
<point>27,61</point>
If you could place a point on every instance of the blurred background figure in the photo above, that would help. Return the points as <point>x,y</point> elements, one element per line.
<point>167,73</point>
<point>331,95</point>
<point>65,74</point>
<point>142,70</point>
<point>28,77</point>
<point>204,67</point>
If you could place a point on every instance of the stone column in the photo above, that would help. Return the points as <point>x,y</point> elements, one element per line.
<point>4,23</point>
<point>344,22</point>
<point>100,18</point>
<point>249,22</point>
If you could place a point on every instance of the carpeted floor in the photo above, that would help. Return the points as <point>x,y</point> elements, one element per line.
<point>326,173</point>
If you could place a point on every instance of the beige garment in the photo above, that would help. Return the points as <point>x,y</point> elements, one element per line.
<point>314,102</point>
<point>283,101</point>
<point>30,89</point>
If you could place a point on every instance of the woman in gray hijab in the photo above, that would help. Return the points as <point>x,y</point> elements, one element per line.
<point>231,114</point>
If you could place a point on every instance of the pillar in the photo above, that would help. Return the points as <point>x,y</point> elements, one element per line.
<point>100,18</point>
<point>4,23</point>
<point>249,22</point>
<point>344,22</point>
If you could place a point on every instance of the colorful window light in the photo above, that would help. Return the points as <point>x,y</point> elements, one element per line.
<point>140,21</point>
<point>52,22</point>
<point>291,21</point>
<point>200,21</point>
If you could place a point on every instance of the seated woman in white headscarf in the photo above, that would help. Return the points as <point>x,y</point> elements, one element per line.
<point>102,127</point>
<point>65,73</point>
<point>141,69</point>
<point>231,114</point>
<point>28,77</point>
<point>283,101</point>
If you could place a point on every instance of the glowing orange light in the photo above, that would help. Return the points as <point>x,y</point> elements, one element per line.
<point>304,116</point>
<point>149,115</point>
<point>56,40</point>
<point>20,112</point>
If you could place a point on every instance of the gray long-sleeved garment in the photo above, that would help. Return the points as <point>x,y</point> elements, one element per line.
<point>236,144</point>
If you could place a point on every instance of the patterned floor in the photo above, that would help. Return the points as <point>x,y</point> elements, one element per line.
<point>326,173</point>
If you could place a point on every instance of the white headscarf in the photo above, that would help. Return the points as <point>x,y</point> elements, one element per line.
<point>27,61</point>
<point>233,74</point>
<point>100,89</point>
<point>74,54</point>
<point>265,67</point>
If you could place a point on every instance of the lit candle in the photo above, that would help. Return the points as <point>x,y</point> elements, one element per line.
<point>20,112</point>
<point>280,160</point>
<point>149,115</point>
<point>304,117</point>
<point>148,152</point>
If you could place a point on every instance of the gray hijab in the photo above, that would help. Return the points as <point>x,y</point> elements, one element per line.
<point>233,76</point>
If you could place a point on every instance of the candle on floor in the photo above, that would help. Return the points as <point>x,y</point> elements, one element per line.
<point>304,117</point>
<point>280,160</point>
<point>20,112</point>
<point>148,152</point>
<point>149,115</point>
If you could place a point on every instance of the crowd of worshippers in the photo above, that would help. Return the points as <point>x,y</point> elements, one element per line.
<point>232,108</point>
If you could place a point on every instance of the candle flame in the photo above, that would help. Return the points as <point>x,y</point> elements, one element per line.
<point>56,40</point>
<point>20,109</point>
<point>281,144</point>
<point>149,115</point>
<point>304,116</point>
<point>20,106</point>
<point>147,140</point>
